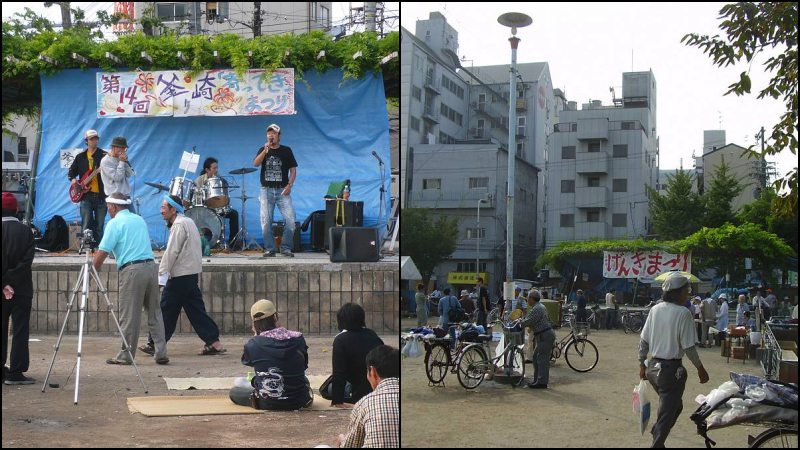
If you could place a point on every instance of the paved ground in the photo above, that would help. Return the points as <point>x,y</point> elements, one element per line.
<point>578,410</point>
<point>101,419</point>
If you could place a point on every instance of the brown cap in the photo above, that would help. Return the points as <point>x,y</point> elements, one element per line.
<point>262,309</point>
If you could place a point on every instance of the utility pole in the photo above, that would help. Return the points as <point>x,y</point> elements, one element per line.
<point>369,16</point>
<point>257,19</point>
<point>66,18</point>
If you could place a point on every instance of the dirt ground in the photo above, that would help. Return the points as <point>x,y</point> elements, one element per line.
<point>577,410</point>
<point>101,418</point>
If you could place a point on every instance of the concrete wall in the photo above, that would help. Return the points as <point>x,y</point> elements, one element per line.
<point>307,296</point>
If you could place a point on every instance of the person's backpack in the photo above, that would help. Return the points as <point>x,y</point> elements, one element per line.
<point>456,312</point>
<point>56,235</point>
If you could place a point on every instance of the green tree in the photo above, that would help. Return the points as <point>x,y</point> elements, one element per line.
<point>750,29</point>
<point>718,199</point>
<point>760,213</point>
<point>427,240</point>
<point>676,214</point>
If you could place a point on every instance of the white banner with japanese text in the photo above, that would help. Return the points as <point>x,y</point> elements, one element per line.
<point>644,264</point>
<point>209,93</point>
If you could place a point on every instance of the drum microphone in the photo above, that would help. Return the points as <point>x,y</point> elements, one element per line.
<point>376,156</point>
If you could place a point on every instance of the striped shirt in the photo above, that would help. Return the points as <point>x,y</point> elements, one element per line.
<point>537,318</point>
<point>375,421</point>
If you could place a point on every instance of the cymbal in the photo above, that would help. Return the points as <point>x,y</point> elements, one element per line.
<point>158,186</point>
<point>243,170</point>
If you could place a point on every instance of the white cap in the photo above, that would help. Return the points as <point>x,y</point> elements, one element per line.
<point>674,281</point>
<point>723,295</point>
<point>464,292</point>
<point>90,133</point>
<point>275,127</point>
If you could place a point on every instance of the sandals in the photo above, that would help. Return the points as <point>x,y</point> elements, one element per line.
<point>149,349</point>
<point>210,350</point>
<point>115,361</point>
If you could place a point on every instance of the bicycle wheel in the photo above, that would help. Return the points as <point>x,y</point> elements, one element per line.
<point>626,321</point>
<point>437,360</point>
<point>581,355</point>
<point>636,323</point>
<point>776,438</point>
<point>518,365</point>
<point>492,316</point>
<point>472,366</point>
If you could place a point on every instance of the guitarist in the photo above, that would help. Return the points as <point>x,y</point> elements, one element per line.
<point>93,203</point>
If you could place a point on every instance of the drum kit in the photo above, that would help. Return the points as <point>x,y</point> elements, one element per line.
<point>206,205</point>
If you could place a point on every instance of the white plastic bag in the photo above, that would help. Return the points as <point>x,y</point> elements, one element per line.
<point>641,404</point>
<point>412,349</point>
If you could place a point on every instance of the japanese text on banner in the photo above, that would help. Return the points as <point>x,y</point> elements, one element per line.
<point>209,93</point>
<point>644,264</point>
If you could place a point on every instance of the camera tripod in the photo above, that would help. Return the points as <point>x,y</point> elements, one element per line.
<point>82,286</point>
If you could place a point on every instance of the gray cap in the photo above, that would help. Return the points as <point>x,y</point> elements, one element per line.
<point>674,281</point>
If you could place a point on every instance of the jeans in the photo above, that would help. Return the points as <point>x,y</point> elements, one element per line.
<point>269,198</point>
<point>611,318</point>
<point>93,211</point>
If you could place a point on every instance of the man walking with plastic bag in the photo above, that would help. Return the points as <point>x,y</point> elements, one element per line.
<point>668,333</point>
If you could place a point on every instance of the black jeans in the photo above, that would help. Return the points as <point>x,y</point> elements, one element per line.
<point>19,309</point>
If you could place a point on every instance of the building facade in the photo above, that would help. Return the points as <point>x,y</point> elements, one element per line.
<point>600,160</point>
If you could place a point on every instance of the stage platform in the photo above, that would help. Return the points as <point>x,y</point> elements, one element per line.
<point>307,290</point>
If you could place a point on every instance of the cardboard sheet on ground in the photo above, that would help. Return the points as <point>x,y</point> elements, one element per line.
<point>182,384</point>
<point>164,406</point>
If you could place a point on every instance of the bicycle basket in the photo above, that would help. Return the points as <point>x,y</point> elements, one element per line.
<point>580,329</point>
<point>514,335</point>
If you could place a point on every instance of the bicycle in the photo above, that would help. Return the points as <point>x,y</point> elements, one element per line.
<point>579,352</point>
<point>632,321</point>
<point>440,358</point>
<point>474,363</point>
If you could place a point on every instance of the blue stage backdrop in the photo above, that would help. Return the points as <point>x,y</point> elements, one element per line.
<point>337,127</point>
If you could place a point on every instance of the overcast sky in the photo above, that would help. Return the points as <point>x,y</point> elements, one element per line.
<point>589,45</point>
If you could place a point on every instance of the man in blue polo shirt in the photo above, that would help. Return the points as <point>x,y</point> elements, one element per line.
<point>127,238</point>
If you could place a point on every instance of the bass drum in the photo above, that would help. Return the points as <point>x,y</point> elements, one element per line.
<point>208,222</point>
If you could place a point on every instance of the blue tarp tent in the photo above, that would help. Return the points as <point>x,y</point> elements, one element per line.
<point>337,127</point>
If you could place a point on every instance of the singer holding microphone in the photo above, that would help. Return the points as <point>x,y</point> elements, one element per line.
<point>278,172</point>
<point>115,168</point>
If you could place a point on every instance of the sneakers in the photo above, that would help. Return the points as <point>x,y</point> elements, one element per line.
<point>17,378</point>
<point>287,253</point>
<point>162,360</point>
<point>269,254</point>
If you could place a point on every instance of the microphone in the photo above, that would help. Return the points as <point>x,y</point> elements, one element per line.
<point>376,156</point>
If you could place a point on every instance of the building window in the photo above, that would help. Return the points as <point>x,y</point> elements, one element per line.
<point>416,93</point>
<point>22,147</point>
<point>522,195</point>
<point>324,16</point>
<point>171,12</point>
<point>469,267</point>
<point>413,122</point>
<point>567,186</point>
<point>481,101</point>
<point>481,127</point>
<point>594,147</point>
<point>593,216</point>
<point>619,185</point>
<point>621,151</point>
<point>594,181</point>
<point>626,125</point>
<point>521,150</point>
<point>567,220</point>
<point>619,220</point>
<point>479,183</point>
<point>520,126</point>
<point>432,183</point>
<point>476,233</point>
<point>568,152</point>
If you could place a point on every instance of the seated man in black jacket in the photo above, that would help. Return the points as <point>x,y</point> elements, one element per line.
<point>350,348</point>
<point>17,291</point>
<point>280,359</point>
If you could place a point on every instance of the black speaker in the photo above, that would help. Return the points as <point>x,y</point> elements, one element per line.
<point>354,244</point>
<point>350,214</point>
<point>318,231</point>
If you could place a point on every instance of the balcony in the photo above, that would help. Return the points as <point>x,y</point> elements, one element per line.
<point>591,230</point>
<point>593,129</point>
<point>591,197</point>
<point>591,162</point>
<point>431,115</point>
<point>522,105</point>
<point>436,198</point>
<point>433,86</point>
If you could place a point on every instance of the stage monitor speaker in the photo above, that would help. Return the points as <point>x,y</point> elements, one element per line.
<point>354,244</point>
<point>351,214</point>
<point>318,231</point>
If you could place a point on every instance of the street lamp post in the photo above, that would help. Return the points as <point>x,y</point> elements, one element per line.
<point>513,20</point>
<point>478,246</point>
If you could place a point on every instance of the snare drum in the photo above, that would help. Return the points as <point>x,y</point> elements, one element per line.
<point>205,218</point>
<point>182,188</point>
<point>216,193</point>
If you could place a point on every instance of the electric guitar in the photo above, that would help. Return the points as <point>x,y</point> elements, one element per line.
<point>79,190</point>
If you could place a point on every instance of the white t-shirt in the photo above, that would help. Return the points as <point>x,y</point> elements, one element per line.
<point>609,300</point>
<point>669,330</point>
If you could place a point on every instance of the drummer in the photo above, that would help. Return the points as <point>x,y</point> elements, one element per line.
<point>211,170</point>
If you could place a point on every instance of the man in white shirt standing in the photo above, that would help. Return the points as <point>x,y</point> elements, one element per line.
<point>181,266</point>
<point>668,333</point>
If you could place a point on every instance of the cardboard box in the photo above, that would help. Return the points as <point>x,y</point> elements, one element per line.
<point>736,331</point>
<point>74,229</point>
<point>738,353</point>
